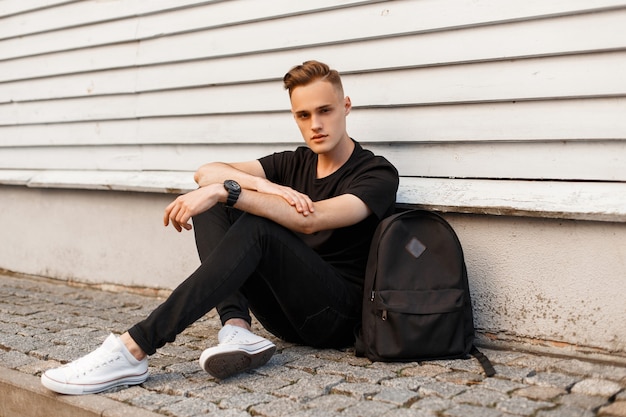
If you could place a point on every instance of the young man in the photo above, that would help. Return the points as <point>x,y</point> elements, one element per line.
<point>285,236</point>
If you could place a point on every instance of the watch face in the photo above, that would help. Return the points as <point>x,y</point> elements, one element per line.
<point>233,185</point>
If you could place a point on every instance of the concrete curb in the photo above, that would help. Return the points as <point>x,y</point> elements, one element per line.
<point>23,395</point>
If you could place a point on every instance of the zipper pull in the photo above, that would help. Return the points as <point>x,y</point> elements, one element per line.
<point>384,315</point>
<point>373,293</point>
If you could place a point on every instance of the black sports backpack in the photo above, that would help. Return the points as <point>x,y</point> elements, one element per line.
<point>416,303</point>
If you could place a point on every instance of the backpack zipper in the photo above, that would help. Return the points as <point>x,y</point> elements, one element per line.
<point>384,312</point>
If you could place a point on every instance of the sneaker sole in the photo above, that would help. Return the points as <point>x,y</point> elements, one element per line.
<point>221,365</point>
<point>79,389</point>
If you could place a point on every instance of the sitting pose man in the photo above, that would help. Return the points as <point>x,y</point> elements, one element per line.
<point>285,236</point>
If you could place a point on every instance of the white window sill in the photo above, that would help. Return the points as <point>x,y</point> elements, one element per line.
<point>596,201</point>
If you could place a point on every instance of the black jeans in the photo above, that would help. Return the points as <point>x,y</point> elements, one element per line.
<point>249,262</point>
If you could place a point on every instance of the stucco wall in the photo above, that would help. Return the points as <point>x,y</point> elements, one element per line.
<point>535,282</point>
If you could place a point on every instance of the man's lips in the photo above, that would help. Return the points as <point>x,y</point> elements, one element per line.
<point>318,137</point>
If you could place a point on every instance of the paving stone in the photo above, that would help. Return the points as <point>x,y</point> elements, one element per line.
<point>332,402</point>
<point>587,402</point>
<point>466,410</point>
<point>229,413</point>
<point>513,373</point>
<point>355,373</point>
<point>307,364</point>
<point>246,400</point>
<point>460,378</point>
<point>395,367</point>
<point>311,387</point>
<point>535,362</point>
<point>617,409</point>
<point>592,369</point>
<point>261,383</point>
<point>426,370</point>
<point>566,411</point>
<point>185,368</point>
<point>218,392</point>
<point>441,389</point>
<point>433,404</point>
<point>406,412</point>
<point>171,383</point>
<point>502,357</point>
<point>522,406</point>
<point>37,367</point>
<point>357,390</point>
<point>480,396</point>
<point>154,401</point>
<point>14,359</point>
<point>316,412</point>
<point>540,393</point>
<point>599,387</point>
<point>276,408</point>
<point>551,379</point>
<point>409,383</point>
<point>367,409</point>
<point>501,385</point>
<point>470,364</point>
<point>190,407</point>
<point>398,397</point>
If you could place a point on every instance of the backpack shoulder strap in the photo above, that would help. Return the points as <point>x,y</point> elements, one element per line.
<point>484,361</point>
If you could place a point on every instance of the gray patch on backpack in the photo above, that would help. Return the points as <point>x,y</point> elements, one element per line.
<point>415,247</point>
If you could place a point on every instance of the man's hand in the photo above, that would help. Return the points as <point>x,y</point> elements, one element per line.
<point>301,202</point>
<point>188,205</point>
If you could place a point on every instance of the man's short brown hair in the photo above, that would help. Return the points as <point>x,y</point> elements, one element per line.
<point>310,71</point>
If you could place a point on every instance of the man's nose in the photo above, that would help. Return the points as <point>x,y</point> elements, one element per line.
<point>316,122</point>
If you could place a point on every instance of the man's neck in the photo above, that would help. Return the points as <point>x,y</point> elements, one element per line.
<point>330,162</point>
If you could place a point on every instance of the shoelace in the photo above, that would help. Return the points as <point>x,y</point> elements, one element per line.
<point>245,338</point>
<point>92,361</point>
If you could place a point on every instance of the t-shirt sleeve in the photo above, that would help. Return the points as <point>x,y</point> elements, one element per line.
<point>377,187</point>
<point>274,165</point>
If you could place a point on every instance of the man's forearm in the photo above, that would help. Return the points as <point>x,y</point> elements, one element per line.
<point>277,209</point>
<point>218,172</point>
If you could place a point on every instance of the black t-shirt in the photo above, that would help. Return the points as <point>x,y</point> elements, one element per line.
<point>371,178</point>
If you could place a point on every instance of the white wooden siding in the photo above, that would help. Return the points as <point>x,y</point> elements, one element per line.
<point>470,96</point>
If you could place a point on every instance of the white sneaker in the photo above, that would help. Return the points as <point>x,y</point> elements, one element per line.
<point>106,367</point>
<point>238,350</point>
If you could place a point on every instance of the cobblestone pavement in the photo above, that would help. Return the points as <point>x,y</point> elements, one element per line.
<point>43,324</point>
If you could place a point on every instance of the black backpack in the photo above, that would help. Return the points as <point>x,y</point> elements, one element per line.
<point>416,303</point>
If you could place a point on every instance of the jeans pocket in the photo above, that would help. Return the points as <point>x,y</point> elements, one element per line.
<point>328,328</point>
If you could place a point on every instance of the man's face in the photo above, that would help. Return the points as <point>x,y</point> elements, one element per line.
<point>320,112</point>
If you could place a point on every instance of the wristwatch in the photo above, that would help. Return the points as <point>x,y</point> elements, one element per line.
<point>234,189</point>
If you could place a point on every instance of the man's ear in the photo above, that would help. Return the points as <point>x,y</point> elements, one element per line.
<point>347,105</point>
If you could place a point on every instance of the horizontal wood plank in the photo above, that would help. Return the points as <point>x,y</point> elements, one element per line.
<point>534,121</point>
<point>159,17</point>
<point>484,43</point>
<point>555,76</point>
<point>597,119</point>
<point>13,7</point>
<point>589,161</point>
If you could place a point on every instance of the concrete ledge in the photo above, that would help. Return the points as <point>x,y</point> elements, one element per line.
<point>24,396</point>
<point>576,200</point>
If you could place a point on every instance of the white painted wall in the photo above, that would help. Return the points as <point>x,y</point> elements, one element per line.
<point>510,112</point>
